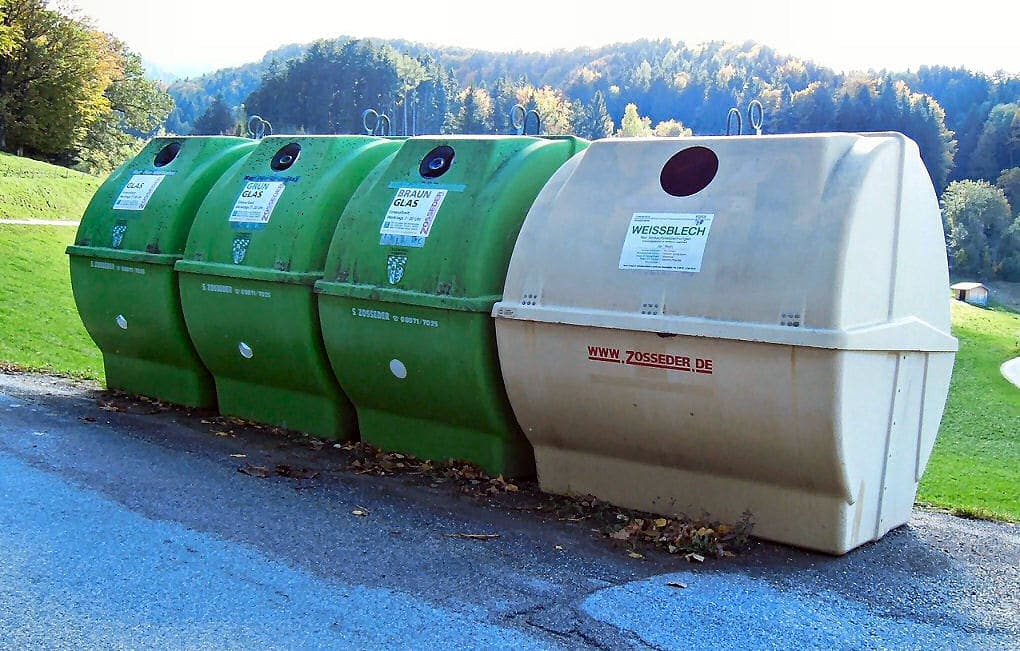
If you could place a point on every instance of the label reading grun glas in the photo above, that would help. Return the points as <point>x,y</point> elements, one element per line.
<point>256,202</point>
<point>662,241</point>
<point>139,189</point>
<point>410,216</point>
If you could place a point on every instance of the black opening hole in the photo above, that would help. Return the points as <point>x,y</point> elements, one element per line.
<point>437,162</point>
<point>285,157</point>
<point>167,154</point>
<point>689,171</point>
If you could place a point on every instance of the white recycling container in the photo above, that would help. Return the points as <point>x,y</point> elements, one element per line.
<point>735,324</point>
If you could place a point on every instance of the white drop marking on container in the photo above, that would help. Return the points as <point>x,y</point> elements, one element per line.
<point>121,322</point>
<point>398,369</point>
<point>245,350</point>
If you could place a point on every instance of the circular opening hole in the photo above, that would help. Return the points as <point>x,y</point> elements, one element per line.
<point>689,171</point>
<point>167,154</point>
<point>285,157</point>
<point>437,162</point>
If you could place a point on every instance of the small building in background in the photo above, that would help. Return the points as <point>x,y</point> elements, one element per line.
<point>973,293</point>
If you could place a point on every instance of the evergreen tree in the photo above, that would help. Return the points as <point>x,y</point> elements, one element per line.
<point>216,121</point>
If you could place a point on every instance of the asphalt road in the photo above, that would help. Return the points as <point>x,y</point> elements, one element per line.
<point>134,530</point>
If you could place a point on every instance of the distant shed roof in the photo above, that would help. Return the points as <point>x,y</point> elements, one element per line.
<point>966,286</point>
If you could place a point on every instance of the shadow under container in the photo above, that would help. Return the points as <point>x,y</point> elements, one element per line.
<point>258,245</point>
<point>745,324</point>
<point>122,266</point>
<point>419,258</point>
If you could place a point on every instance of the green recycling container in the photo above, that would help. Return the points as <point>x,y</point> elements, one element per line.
<point>418,260</point>
<point>258,245</point>
<point>122,265</point>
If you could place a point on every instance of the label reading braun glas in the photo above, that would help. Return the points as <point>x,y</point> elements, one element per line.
<point>136,193</point>
<point>410,216</point>
<point>663,241</point>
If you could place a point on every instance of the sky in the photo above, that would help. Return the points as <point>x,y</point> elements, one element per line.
<point>188,37</point>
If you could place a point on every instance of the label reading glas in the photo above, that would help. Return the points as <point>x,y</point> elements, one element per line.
<point>663,241</point>
<point>410,216</point>
<point>256,202</point>
<point>138,191</point>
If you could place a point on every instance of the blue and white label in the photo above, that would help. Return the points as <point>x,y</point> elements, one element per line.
<point>256,202</point>
<point>136,193</point>
<point>410,217</point>
<point>661,241</point>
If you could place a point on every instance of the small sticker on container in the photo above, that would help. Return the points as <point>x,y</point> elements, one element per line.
<point>136,193</point>
<point>410,217</point>
<point>666,241</point>
<point>256,202</point>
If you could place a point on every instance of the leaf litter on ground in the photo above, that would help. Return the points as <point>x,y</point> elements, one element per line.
<point>694,539</point>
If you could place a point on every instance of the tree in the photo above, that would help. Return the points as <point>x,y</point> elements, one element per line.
<point>978,221</point>
<point>52,79</point>
<point>671,129</point>
<point>1009,182</point>
<point>475,112</point>
<point>217,120</point>
<point>138,108</point>
<point>592,121</point>
<point>633,125</point>
<point>998,147</point>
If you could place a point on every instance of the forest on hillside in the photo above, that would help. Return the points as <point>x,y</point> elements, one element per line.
<point>966,124</point>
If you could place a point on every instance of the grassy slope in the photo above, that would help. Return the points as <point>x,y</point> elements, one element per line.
<point>975,468</point>
<point>30,189</point>
<point>39,325</point>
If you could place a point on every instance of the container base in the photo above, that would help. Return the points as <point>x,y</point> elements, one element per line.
<point>430,439</point>
<point>322,416</point>
<point>819,522</point>
<point>190,387</point>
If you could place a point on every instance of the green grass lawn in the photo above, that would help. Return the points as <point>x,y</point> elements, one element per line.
<point>39,325</point>
<point>975,468</point>
<point>30,189</point>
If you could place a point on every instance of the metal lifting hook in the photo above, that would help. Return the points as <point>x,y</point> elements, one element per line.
<point>519,119</point>
<point>259,127</point>
<point>380,125</point>
<point>751,115</point>
<point>755,118</point>
<point>734,113</point>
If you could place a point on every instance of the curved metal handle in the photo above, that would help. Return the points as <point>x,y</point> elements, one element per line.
<point>518,116</point>
<point>733,112</point>
<point>258,127</point>
<point>755,124</point>
<point>538,122</point>
<point>369,127</point>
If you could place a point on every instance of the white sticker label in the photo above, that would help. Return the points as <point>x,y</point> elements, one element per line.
<point>138,191</point>
<point>256,202</point>
<point>411,215</point>
<point>665,241</point>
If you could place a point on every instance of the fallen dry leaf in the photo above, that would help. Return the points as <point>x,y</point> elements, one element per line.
<point>695,557</point>
<point>296,473</point>
<point>360,512</point>
<point>239,456</point>
<point>255,471</point>
<point>635,555</point>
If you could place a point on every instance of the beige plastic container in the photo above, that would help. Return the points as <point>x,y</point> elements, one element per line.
<point>777,342</point>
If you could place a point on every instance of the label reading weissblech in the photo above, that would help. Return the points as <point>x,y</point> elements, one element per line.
<point>664,241</point>
<point>138,191</point>
<point>410,216</point>
<point>256,202</point>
